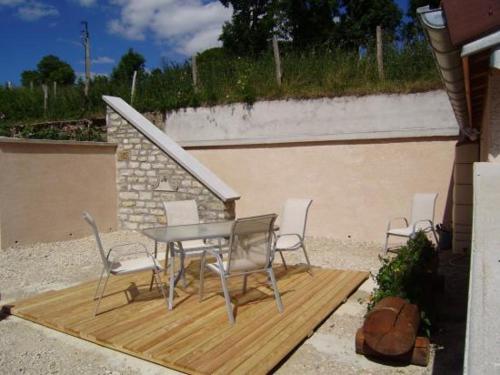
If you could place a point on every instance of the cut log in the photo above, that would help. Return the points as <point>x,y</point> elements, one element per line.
<point>391,327</point>
<point>419,355</point>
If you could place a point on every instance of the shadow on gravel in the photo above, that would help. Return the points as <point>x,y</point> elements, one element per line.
<point>5,312</point>
<point>449,336</point>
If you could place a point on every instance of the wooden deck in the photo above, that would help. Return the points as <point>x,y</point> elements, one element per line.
<point>196,337</point>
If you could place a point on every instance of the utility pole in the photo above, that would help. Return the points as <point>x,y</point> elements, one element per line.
<point>86,46</point>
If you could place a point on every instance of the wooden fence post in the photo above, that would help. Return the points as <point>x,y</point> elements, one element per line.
<point>277,60</point>
<point>194,72</point>
<point>54,89</point>
<point>45,89</point>
<point>380,53</point>
<point>132,90</point>
<point>31,85</point>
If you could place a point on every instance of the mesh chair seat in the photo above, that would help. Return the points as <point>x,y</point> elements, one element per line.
<point>133,265</point>
<point>408,231</point>
<point>288,242</point>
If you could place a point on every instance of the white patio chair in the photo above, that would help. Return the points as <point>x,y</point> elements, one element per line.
<point>250,251</point>
<point>422,218</point>
<point>118,267</point>
<point>293,227</point>
<point>185,213</point>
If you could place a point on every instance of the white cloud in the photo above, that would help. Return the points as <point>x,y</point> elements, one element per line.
<point>103,60</point>
<point>10,3</point>
<point>189,25</point>
<point>86,3</point>
<point>34,10</point>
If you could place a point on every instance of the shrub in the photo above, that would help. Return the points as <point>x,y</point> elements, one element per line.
<point>409,276</point>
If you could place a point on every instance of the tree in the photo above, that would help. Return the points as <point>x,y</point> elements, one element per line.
<point>49,69</point>
<point>412,31</point>
<point>129,62</point>
<point>29,77</point>
<point>250,28</point>
<point>52,69</point>
<point>361,18</point>
<point>310,22</point>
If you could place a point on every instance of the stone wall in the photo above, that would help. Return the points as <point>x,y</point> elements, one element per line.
<point>146,176</point>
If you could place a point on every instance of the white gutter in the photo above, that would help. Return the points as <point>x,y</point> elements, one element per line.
<point>449,62</point>
<point>172,149</point>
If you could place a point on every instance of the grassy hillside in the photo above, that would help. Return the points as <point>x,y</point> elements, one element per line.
<point>224,79</point>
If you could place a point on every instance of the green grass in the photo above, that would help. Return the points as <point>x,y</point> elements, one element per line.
<point>226,79</point>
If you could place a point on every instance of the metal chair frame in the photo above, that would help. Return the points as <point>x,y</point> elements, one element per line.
<point>107,264</point>
<point>225,272</point>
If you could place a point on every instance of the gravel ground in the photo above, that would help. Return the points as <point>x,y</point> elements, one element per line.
<point>27,348</point>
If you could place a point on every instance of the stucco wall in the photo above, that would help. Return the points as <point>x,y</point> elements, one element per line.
<point>45,185</point>
<point>356,186</point>
<point>344,118</point>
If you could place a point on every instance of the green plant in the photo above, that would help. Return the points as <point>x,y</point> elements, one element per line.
<point>409,276</point>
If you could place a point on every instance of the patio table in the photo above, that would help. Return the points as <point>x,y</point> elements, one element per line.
<point>177,233</point>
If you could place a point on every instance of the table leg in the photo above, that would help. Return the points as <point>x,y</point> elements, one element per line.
<point>153,275</point>
<point>172,278</point>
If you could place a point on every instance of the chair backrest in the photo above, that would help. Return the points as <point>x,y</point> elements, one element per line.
<point>423,207</point>
<point>294,216</point>
<point>90,221</point>
<point>181,212</point>
<point>250,244</point>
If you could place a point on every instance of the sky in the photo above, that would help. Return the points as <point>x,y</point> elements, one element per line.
<point>169,30</point>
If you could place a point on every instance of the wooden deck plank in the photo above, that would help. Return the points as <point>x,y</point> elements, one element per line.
<point>196,337</point>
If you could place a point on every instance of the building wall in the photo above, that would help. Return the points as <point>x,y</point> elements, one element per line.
<point>465,157</point>
<point>146,176</point>
<point>356,186</point>
<point>45,186</point>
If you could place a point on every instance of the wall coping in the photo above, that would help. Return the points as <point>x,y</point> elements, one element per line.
<point>348,137</point>
<point>172,149</point>
<point>56,142</point>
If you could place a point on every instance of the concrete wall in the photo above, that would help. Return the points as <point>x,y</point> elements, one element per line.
<point>356,186</point>
<point>344,118</point>
<point>45,185</point>
<point>482,354</point>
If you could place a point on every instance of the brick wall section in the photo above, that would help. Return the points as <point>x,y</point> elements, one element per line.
<point>139,166</point>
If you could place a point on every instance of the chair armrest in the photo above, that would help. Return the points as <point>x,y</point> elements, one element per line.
<point>421,221</point>
<point>396,218</point>
<point>218,257</point>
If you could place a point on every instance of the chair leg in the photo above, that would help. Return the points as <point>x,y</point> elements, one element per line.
<point>183,270</point>
<point>99,283</point>
<point>229,307</point>
<point>202,276</point>
<point>435,238</point>
<point>152,280</point>
<point>102,293</point>
<point>275,288</point>
<point>309,269</point>
<point>283,259</point>
<point>386,243</point>
<point>156,275</point>
<point>245,277</point>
